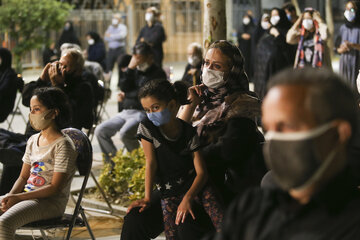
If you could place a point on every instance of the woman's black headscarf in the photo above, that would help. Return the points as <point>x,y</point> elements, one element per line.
<point>356,23</point>
<point>6,58</point>
<point>68,35</point>
<point>95,36</point>
<point>284,24</point>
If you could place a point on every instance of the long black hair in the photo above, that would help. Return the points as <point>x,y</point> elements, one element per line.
<point>55,98</point>
<point>163,90</point>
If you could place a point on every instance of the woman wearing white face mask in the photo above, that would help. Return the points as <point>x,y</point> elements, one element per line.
<point>272,52</point>
<point>244,34</point>
<point>225,110</point>
<point>153,33</point>
<point>96,51</point>
<point>310,33</point>
<point>347,43</point>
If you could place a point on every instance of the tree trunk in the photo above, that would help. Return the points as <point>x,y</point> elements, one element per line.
<point>296,5</point>
<point>214,21</point>
<point>330,24</point>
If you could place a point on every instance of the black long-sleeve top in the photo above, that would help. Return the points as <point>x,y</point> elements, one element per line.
<point>155,36</point>
<point>8,89</point>
<point>132,82</point>
<point>333,213</point>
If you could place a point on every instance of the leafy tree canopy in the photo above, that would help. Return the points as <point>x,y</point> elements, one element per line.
<point>28,21</point>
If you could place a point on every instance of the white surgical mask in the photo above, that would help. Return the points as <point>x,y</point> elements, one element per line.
<point>265,25</point>
<point>149,17</point>
<point>212,78</point>
<point>91,41</point>
<point>350,15</point>
<point>143,66</point>
<point>274,20</point>
<point>246,21</point>
<point>115,21</point>
<point>308,24</point>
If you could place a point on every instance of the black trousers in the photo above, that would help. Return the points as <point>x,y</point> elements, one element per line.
<point>112,56</point>
<point>149,224</point>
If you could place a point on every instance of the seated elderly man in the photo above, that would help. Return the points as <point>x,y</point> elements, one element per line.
<point>67,75</point>
<point>193,69</point>
<point>311,120</point>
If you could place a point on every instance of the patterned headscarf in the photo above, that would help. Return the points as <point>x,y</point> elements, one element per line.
<point>318,49</point>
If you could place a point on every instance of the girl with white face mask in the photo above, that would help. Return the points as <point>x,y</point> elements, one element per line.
<point>223,94</point>
<point>347,43</point>
<point>310,33</point>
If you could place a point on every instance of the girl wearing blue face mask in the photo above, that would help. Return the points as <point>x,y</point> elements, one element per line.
<point>347,43</point>
<point>173,160</point>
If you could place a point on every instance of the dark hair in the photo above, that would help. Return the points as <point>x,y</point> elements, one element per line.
<point>328,96</point>
<point>143,48</point>
<point>124,60</point>
<point>55,98</point>
<point>289,6</point>
<point>6,58</point>
<point>237,80</point>
<point>163,90</point>
<point>95,36</point>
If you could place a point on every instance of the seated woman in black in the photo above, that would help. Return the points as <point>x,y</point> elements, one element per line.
<point>228,134</point>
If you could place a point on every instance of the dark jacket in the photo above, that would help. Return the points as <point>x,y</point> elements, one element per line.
<point>9,84</point>
<point>132,82</point>
<point>272,214</point>
<point>155,36</point>
<point>97,53</point>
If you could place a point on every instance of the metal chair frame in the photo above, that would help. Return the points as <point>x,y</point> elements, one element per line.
<point>78,217</point>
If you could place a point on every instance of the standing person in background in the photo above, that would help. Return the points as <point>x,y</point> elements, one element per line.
<point>273,53</point>
<point>115,36</point>
<point>153,33</point>
<point>192,72</point>
<point>310,33</point>
<point>68,35</point>
<point>96,50</point>
<point>348,43</point>
<point>290,11</point>
<point>244,35</point>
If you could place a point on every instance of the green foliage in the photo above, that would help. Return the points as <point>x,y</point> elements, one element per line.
<point>127,177</point>
<point>29,21</point>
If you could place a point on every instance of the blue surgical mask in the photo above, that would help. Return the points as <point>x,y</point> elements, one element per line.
<point>160,118</point>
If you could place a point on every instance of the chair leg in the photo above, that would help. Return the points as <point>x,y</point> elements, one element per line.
<point>102,193</point>
<point>43,234</point>
<point>87,223</point>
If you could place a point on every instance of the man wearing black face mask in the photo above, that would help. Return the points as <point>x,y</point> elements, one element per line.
<point>68,74</point>
<point>312,149</point>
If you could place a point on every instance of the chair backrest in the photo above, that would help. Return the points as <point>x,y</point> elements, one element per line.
<point>83,148</point>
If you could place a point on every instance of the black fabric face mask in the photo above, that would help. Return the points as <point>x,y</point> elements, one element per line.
<point>301,158</point>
